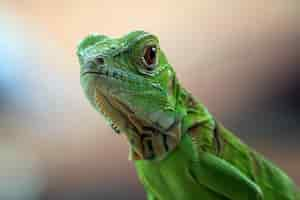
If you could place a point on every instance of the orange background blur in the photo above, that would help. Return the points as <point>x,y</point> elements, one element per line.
<point>241,58</point>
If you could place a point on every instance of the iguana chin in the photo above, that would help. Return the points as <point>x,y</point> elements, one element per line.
<point>179,150</point>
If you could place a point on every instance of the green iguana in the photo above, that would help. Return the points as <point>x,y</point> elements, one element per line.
<point>179,150</point>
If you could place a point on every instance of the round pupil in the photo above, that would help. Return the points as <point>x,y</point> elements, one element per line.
<point>150,56</point>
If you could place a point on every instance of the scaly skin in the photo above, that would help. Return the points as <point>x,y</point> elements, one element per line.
<point>179,150</point>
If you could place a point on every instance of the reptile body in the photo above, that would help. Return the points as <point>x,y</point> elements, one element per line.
<point>180,151</point>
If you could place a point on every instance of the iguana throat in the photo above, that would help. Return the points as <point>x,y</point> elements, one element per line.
<point>147,141</point>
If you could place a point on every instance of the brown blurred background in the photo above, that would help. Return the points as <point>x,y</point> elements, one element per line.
<point>241,58</point>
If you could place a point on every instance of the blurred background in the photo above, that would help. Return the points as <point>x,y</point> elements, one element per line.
<point>241,58</point>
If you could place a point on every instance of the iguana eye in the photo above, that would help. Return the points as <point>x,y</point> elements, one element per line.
<point>149,57</point>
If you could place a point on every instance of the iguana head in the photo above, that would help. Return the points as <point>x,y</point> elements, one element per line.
<point>130,81</point>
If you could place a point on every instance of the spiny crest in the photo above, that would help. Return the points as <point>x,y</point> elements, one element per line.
<point>89,40</point>
<point>134,35</point>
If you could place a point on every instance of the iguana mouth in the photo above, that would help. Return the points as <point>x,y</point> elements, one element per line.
<point>91,72</point>
<point>116,74</point>
<point>99,73</point>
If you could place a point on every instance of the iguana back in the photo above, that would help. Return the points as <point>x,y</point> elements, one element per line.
<point>275,184</point>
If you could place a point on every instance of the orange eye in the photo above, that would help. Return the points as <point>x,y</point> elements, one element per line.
<point>149,57</point>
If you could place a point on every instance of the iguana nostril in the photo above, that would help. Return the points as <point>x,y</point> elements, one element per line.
<point>99,61</point>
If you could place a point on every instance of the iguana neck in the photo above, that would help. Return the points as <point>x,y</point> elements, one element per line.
<point>196,114</point>
<point>157,146</point>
